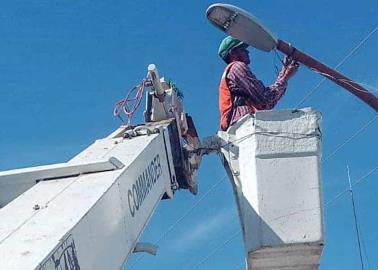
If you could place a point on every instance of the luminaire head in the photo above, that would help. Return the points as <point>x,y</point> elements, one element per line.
<point>241,25</point>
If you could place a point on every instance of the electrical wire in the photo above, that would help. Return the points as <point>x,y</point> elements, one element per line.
<point>346,81</point>
<point>306,135</point>
<point>277,56</point>
<point>329,156</point>
<point>241,139</point>
<point>239,266</point>
<point>370,87</point>
<point>358,132</point>
<point>355,220</point>
<point>353,184</point>
<point>123,104</point>
<point>292,135</point>
<point>353,51</point>
<point>350,83</point>
<point>325,205</point>
<point>195,205</point>
<point>330,201</point>
<point>214,251</point>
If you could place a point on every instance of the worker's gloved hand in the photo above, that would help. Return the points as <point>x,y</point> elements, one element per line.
<point>291,67</point>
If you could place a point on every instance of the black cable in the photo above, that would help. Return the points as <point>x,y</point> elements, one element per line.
<point>364,248</point>
<point>355,220</point>
<point>270,133</point>
<point>326,159</point>
<point>279,59</point>
<point>326,204</point>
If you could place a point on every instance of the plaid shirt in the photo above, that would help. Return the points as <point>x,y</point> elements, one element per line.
<point>241,80</point>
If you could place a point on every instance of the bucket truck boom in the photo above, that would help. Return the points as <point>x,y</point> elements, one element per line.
<point>89,213</point>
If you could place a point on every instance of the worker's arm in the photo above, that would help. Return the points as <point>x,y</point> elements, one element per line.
<point>241,79</point>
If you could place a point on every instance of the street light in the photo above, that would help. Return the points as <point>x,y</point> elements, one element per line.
<point>245,27</point>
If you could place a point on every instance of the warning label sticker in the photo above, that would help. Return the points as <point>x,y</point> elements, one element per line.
<point>63,258</point>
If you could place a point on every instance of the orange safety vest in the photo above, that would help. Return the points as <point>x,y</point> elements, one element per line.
<point>226,101</point>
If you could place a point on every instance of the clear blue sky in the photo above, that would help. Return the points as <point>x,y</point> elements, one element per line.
<point>64,64</point>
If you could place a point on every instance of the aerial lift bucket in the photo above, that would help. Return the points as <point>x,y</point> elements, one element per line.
<point>273,160</point>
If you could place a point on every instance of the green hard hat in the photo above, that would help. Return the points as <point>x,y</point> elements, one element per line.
<point>228,44</point>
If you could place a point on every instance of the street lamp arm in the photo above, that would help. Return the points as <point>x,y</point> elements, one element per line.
<point>329,73</point>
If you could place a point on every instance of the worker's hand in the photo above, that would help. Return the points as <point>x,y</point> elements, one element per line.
<point>291,67</point>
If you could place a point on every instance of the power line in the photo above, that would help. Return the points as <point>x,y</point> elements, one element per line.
<point>195,205</point>
<point>216,184</point>
<point>326,159</point>
<point>337,149</point>
<point>239,266</point>
<point>332,199</point>
<point>191,209</point>
<point>350,83</point>
<point>214,251</point>
<point>354,50</point>
<point>334,152</point>
<point>358,132</point>
<point>365,126</point>
<point>353,184</point>
<point>325,205</point>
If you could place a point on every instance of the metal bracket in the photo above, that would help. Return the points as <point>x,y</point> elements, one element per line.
<point>211,144</point>
<point>146,247</point>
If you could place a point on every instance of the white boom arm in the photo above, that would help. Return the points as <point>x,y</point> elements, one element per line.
<point>89,213</point>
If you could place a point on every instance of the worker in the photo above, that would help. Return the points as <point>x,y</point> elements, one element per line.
<point>240,92</point>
